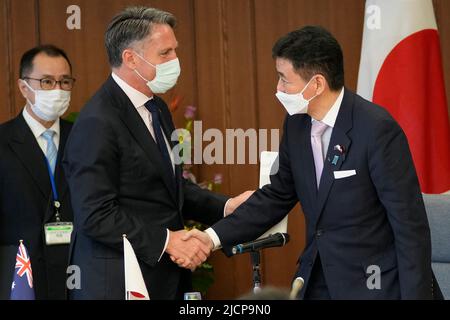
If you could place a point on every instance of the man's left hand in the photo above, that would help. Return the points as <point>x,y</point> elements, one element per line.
<point>235,202</point>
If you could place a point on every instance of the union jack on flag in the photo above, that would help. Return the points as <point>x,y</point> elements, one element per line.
<point>22,285</point>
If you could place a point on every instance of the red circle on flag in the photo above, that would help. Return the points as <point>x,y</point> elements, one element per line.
<point>410,85</point>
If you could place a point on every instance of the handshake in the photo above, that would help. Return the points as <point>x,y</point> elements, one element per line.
<point>189,249</point>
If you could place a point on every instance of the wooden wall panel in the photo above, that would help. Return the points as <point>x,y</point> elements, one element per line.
<point>5,65</point>
<point>442,12</point>
<point>235,37</point>
<point>211,83</point>
<point>19,34</point>
<point>212,103</point>
<point>24,36</point>
<point>241,109</point>
<point>330,14</point>
<point>86,49</point>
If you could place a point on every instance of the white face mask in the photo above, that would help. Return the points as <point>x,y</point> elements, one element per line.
<point>295,103</point>
<point>49,105</point>
<point>167,74</point>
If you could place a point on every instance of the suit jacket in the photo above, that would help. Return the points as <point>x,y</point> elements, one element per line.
<point>373,218</point>
<point>25,206</point>
<point>119,186</point>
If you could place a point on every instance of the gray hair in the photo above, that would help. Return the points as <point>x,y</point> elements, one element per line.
<point>131,25</point>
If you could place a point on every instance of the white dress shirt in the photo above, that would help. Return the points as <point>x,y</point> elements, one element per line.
<point>138,99</point>
<point>330,120</point>
<point>38,129</point>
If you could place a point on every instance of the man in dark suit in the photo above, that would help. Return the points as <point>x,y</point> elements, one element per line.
<point>123,176</point>
<point>27,142</point>
<point>348,163</point>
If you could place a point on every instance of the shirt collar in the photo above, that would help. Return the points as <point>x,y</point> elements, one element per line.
<point>331,116</point>
<point>137,98</point>
<point>36,127</point>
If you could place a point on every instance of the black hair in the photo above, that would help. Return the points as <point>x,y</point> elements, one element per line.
<point>313,50</point>
<point>26,62</point>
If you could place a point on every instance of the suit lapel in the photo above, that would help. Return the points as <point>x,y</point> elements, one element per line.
<point>335,157</point>
<point>139,131</point>
<point>27,149</point>
<point>61,182</point>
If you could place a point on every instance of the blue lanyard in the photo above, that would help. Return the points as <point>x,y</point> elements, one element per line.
<point>56,202</point>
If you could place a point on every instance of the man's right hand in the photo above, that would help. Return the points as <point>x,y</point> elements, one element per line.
<point>200,235</point>
<point>187,252</point>
<point>197,235</point>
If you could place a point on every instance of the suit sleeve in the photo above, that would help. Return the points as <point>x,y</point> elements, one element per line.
<point>199,204</point>
<point>92,167</point>
<point>202,205</point>
<point>394,176</point>
<point>265,208</point>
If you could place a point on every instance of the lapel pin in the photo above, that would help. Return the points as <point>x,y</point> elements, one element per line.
<point>335,160</point>
<point>339,148</point>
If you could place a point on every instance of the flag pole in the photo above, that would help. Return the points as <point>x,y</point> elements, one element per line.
<point>124,236</point>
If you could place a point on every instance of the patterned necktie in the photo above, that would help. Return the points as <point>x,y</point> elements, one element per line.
<point>156,121</point>
<point>317,130</point>
<point>52,151</point>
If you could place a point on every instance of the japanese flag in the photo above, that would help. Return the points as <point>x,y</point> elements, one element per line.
<point>401,70</point>
<point>135,288</point>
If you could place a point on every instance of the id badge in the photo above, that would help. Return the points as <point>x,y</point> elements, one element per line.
<point>58,233</point>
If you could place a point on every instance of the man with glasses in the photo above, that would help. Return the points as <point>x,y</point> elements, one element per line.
<point>34,199</point>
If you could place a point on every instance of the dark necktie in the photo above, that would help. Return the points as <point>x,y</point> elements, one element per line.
<point>156,121</point>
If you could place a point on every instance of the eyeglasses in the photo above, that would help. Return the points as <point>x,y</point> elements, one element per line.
<point>50,84</point>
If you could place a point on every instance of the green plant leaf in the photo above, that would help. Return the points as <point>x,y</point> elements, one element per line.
<point>203,278</point>
<point>72,117</point>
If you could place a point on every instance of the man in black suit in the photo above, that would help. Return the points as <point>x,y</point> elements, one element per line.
<point>122,173</point>
<point>27,142</point>
<point>348,163</point>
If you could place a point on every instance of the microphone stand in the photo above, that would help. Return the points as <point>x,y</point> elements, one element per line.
<point>276,240</point>
<point>256,260</point>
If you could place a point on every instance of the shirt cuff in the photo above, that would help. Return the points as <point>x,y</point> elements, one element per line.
<point>215,238</point>
<point>165,245</point>
<point>225,208</point>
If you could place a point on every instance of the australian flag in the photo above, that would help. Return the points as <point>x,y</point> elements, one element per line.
<point>22,284</point>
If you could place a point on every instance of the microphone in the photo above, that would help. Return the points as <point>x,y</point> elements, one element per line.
<point>296,287</point>
<point>274,240</point>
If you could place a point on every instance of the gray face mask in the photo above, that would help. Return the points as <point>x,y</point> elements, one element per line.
<point>166,75</point>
